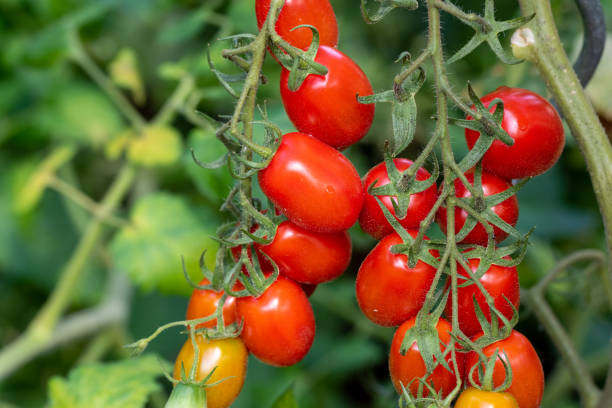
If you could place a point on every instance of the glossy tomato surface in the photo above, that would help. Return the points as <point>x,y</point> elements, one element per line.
<point>309,257</point>
<point>204,303</point>
<point>279,326</point>
<point>312,184</point>
<point>317,13</point>
<point>507,210</point>
<point>500,282</point>
<point>475,398</point>
<point>229,356</point>
<point>527,373</point>
<point>373,221</point>
<point>326,106</point>
<point>406,369</point>
<point>388,291</point>
<point>536,128</point>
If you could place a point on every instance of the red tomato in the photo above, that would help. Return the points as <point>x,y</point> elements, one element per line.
<point>498,281</point>
<point>204,303</point>
<point>326,107</point>
<point>312,184</point>
<point>536,128</point>
<point>309,257</point>
<point>279,325</point>
<point>388,291</point>
<point>317,13</point>
<point>507,210</point>
<point>228,357</point>
<point>527,373</point>
<point>475,398</point>
<point>408,368</point>
<point>373,221</point>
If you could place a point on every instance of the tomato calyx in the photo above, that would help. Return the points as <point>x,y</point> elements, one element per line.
<point>486,370</point>
<point>402,185</point>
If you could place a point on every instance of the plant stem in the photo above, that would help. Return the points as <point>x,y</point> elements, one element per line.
<point>43,325</point>
<point>176,100</point>
<point>79,55</point>
<point>542,46</point>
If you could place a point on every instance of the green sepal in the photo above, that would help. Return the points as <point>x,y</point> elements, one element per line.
<point>487,28</point>
<point>386,6</point>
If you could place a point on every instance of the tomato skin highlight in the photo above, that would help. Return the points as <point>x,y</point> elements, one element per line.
<point>309,257</point>
<point>279,325</point>
<point>536,128</point>
<point>475,398</point>
<point>498,281</point>
<point>312,184</point>
<point>527,372</point>
<point>317,13</point>
<point>388,291</point>
<point>411,366</point>
<point>228,355</point>
<point>326,106</point>
<point>507,210</point>
<point>204,303</point>
<point>373,221</point>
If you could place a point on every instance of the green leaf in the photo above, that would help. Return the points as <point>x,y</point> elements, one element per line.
<point>156,146</point>
<point>124,72</point>
<point>81,114</point>
<point>213,184</point>
<point>163,229</point>
<point>386,6</point>
<point>124,384</point>
<point>286,400</point>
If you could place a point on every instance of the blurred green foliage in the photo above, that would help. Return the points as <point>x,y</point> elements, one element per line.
<point>47,102</point>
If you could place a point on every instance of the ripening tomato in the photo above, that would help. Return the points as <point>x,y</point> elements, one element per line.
<point>507,210</point>
<point>388,291</point>
<point>373,221</point>
<point>309,257</point>
<point>229,356</point>
<point>326,107</point>
<point>317,13</point>
<point>406,369</point>
<point>500,282</point>
<point>279,325</point>
<point>312,184</point>
<point>475,398</point>
<point>536,128</point>
<point>204,303</point>
<point>527,373</point>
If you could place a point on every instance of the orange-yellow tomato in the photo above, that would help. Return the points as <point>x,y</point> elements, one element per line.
<point>229,356</point>
<point>475,398</point>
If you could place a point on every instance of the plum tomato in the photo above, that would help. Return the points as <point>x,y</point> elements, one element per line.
<point>229,356</point>
<point>407,369</point>
<point>536,128</point>
<point>475,398</point>
<point>312,184</point>
<point>317,13</point>
<point>500,282</point>
<point>373,221</point>
<point>507,210</point>
<point>527,373</point>
<point>309,257</point>
<point>326,106</point>
<point>279,325</point>
<point>203,303</point>
<point>388,291</point>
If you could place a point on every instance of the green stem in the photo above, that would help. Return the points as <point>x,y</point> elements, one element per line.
<point>79,56</point>
<point>176,100</point>
<point>539,43</point>
<point>42,326</point>
<point>583,380</point>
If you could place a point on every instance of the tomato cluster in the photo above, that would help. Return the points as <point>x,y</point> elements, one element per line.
<point>391,289</point>
<point>317,189</point>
